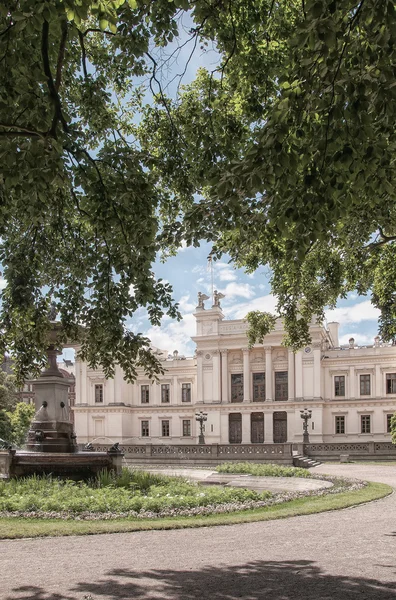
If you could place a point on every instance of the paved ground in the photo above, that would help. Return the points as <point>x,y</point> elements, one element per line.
<point>344,555</point>
<point>271,484</point>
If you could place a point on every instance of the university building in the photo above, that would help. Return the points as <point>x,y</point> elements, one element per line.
<point>251,395</point>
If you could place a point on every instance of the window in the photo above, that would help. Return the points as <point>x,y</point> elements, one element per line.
<point>388,423</point>
<point>237,388</point>
<point>165,428</point>
<point>186,392</point>
<point>145,429</point>
<point>99,392</point>
<point>144,394</point>
<point>339,385</point>
<point>281,389</point>
<point>186,427</point>
<point>340,425</point>
<point>258,387</point>
<point>365,421</point>
<point>365,387</point>
<point>391,383</point>
<point>165,393</point>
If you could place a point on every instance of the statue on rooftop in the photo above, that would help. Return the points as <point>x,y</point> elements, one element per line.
<point>217,296</point>
<point>201,300</point>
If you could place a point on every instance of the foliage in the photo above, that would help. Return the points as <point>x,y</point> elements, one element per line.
<point>8,402</point>
<point>393,428</point>
<point>20,419</point>
<point>47,494</point>
<point>290,142</point>
<point>79,208</point>
<point>262,470</point>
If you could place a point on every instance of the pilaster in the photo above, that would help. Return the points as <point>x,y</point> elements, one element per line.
<point>299,375</point>
<point>216,377</point>
<point>268,374</point>
<point>317,374</point>
<point>246,374</point>
<point>245,428</point>
<point>268,428</point>
<point>224,376</point>
<point>291,377</point>
<point>352,383</point>
<point>200,397</point>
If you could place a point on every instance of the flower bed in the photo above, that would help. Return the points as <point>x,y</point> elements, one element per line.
<point>138,495</point>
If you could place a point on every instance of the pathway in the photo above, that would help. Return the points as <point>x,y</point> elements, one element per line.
<point>344,555</point>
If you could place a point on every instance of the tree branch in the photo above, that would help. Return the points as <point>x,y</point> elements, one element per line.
<point>83,55</point>
<point>58,116</point>
<point>20,131</point>
<point>61,55</point>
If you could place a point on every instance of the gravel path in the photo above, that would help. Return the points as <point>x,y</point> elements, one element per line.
<point>343,555</point>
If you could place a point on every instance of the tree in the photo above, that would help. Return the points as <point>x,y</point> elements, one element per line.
<point>281,155</point>
<point>79,208</point>
<point>20,419</point>
<point>8,402</point>
<point>290,143</point>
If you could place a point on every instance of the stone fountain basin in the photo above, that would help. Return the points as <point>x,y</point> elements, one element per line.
<point>76,466</point>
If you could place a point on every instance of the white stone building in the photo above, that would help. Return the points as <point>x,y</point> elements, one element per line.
<point>250,395</point>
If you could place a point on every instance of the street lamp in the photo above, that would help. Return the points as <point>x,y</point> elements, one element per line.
<point>201,417</point>
<point>305,415</point>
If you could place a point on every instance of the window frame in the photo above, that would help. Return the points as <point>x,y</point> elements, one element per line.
<point>165,432</point>
<point>144,393</point>
<point>338,388</point>
<point>260,395</point>
<point>339,420</point>
<point>186,389</point>
<point>145,428</point>
<point>98,387</point>
<point>365,424</point>
<point>236,389</point>
<point>281,385</point>
<point>165,393</point>
<point>365,382</point>
<point>184,421</point>
<point>390,377</point>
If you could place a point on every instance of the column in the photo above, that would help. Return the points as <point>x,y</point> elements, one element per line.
<point>299,375</point>
<point>245,428</point>
<point>175,393</point>
<point>268,374</point>
<point>84,381</point>
<point>291,377</point>
<point>118,384</point>
<point>246,375</point>
<point>216,377</point>
<point>378,381</point>
<point>224,376</point>
<point>108,392</point>
<point>268,428</point>
<point>200,397</point>
<point>316,385</point>
<point>352,392</point>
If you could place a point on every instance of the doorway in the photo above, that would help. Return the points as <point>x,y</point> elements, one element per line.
<point>280,427</point>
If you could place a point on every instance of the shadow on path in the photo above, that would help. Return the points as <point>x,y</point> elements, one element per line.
<point>294,580</point>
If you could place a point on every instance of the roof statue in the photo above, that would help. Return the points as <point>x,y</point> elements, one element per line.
<point>217,296</point>
<point>201,300</point>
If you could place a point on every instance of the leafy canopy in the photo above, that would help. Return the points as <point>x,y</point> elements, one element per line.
<point>283,155</point>
<point>290,142</point>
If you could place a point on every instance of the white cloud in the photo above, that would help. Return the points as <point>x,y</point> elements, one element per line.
<point>237,290</point>
<point>131,290</point>
<point>356,313</point>
<point>360,339</point>
<point>3,283</point>
<point>185,305</point>
<point>224,272</point>
<point>175,336</point>
<point>263,303</point>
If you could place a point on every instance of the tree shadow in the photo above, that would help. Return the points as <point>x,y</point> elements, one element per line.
<point>271,580</point>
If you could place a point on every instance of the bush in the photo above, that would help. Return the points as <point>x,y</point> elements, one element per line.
<point>131,491</point>
<point>262,470</point>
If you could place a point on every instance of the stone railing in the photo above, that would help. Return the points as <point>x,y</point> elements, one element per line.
<point>208,453</point>
<point>358,450</point>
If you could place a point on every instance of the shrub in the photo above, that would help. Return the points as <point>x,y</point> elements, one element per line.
<point>262,470</point>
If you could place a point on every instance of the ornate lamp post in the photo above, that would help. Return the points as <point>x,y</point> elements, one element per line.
<point>305,415</point>
<point>201,417</point>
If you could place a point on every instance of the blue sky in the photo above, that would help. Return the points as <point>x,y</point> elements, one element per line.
<point>188,274</point>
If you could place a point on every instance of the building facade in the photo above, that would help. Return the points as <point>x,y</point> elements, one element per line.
<point>251,395</point>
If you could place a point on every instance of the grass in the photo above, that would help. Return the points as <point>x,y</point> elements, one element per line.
<point>11,528</point>
<point>263,470</point>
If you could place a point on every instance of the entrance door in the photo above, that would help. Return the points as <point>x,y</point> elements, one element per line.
<point>235,428</point>
<point>280,427</point>
<point>257,427</point>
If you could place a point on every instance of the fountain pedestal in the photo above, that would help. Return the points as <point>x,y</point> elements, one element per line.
<point>51,442</point>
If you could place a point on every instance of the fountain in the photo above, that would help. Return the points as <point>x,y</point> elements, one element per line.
<point>51,441</point>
